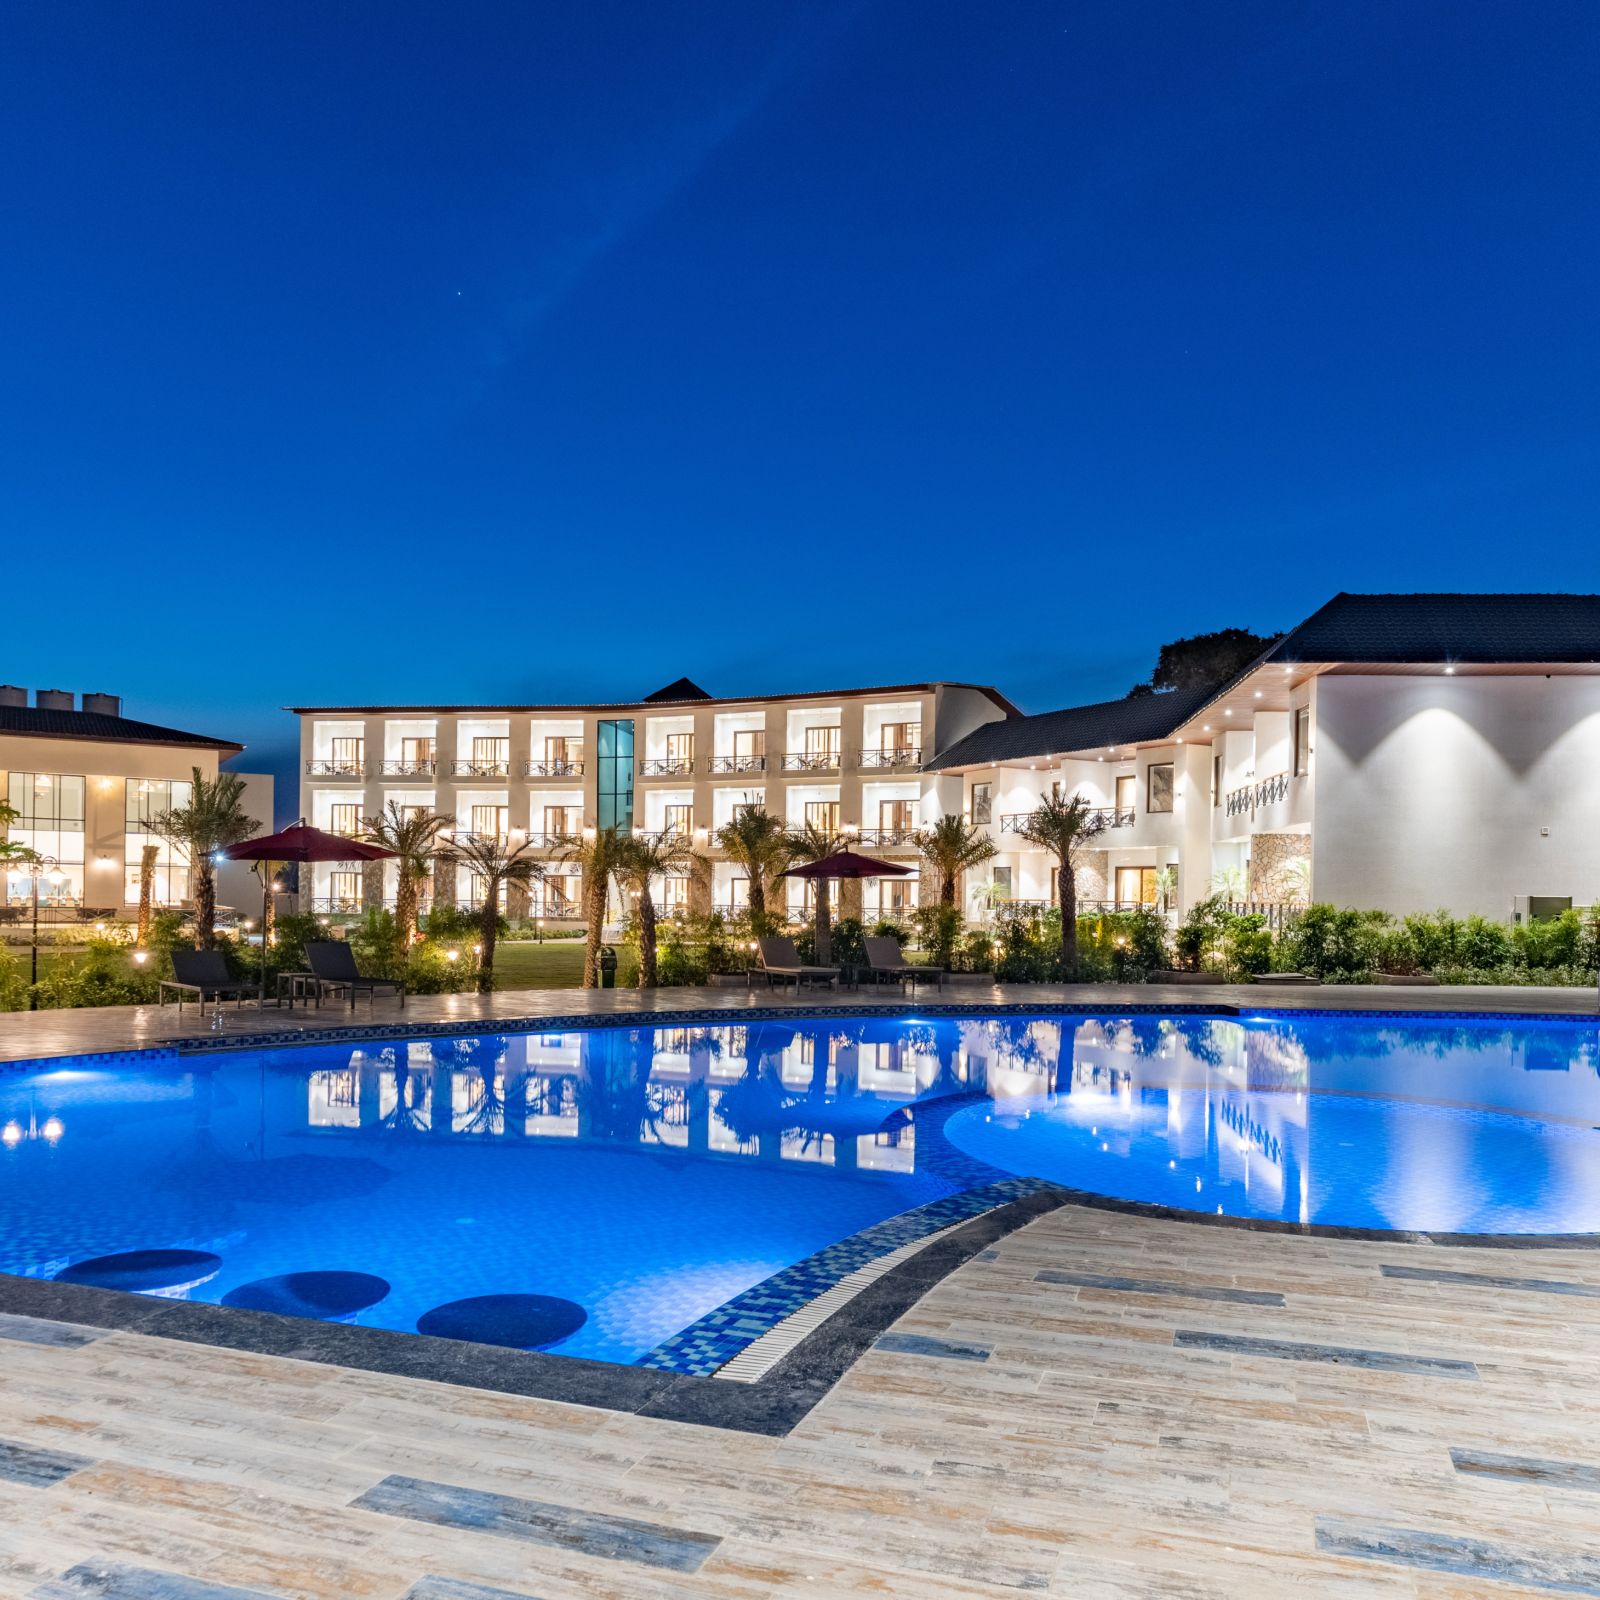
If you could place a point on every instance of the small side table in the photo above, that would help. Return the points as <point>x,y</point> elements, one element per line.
<point>294,986</point>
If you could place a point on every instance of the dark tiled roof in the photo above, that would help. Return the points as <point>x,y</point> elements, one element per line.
<point>682,689</point>
<point>1112,722</point>
<point>1447,627</point>
<point>33,723</point>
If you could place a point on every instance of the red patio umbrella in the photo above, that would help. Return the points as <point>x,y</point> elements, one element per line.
<point>301,843</point>
<point>843,863</point>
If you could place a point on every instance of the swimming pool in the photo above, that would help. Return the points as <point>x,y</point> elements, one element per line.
<point>1471,1125</point>
<point>631,1180</point>
<point>662,1196</point>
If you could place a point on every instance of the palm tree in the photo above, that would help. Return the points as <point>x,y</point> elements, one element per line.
<point>495,860</point>
<point>599,856</point>
<point>661,855</point>
<point>9,849</point>
<point>414,834</point>
<point>758,842</point>
<point>1062,827</point>
<point>812,843</point>
<point>950,847</point>
<point>147,891</point>
<point>213,819</point>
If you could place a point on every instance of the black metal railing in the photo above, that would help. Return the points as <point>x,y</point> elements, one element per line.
<point>881,838</point>
<point>908,756</point>
<point>553,841</point>
<point>1099,818</point>
<point>661,835</point>
<point>811,761</point>
<point>334,769</point>
<point>337,905</point>
<point>481,769</point>
<point>1278,913</point>
<point>408,769</point>
<point>666,767</point>
<point>1253,797</point>
<point>552,769</point>
<point>738,764</point>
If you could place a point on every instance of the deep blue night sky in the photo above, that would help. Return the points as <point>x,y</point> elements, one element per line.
<point>483,352</point>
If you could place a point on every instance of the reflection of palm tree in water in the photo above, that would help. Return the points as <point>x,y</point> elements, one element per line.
<point>616,1092</point>
<point>409,1113</point>
<point>486,1106</point>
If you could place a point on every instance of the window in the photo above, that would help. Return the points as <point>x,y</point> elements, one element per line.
<point>344,819</point>
<point>822,815</point>
<point>1302,741</point>
<point>560,895</point>
<point>561,751</point>
<point>493,821</point>
<point>894,816</point>
<point>490,754</point>
<point>1136,886</point>
<point>563,822</point>
<point>897,896</point>
<point>1127,791</point>
<point>680,751</point>
<point>1158,793</point>
<point>419,752</point>
<point>982,802</point>
<point>1000,884</point>
<point>749,749</point>
<point>674,894</point>
<point>822,747</point>
<point>739,893</point>
<point>144,798</point>
<point>1216,780</point>
<point>347,754</point>
<point>50,814</point>
<point>344,889</point>
<point>614,788</point>
<point>900,739</point>
<point>678,819</point>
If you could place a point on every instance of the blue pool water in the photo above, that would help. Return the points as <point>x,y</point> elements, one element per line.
<point>1447,1125</point>
<point>645,1176</point>
<point>626,1183</point>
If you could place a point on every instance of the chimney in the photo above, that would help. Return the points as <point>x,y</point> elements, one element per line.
<point>53,699</point>
<point>105,705</point>
<point>11,695</point>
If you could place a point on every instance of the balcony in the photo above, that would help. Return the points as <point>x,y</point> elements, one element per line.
<point>738,764</point>
<point>884,838</point>
<point>899,760</point>
<point>1254,797</point>
<point>661,835</point>
<point>552,769</point>
<point>480,769</point>
<point>408,769</point>
<point>666,767</point>
<point>1099,819</point>
<point>552,841</point>
<point>334,769</point>
<point>336,905</point>
<point>811,761</point>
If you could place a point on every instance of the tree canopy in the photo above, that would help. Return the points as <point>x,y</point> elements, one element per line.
<point>1204,661</point>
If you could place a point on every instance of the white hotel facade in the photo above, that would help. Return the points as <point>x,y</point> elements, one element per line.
<point>678,761</point>
<point>1398,752</point>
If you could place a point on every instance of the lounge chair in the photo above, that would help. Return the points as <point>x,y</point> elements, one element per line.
<point>203,974</point>
<point>781,962</point>
<point>333,965</point>
<point>885,959</point>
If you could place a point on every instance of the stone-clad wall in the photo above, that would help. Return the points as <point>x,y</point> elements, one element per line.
<point>1272,860</point>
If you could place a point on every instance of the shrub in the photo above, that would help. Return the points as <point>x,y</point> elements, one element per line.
<point>938,932</point>
<point>1247,946</point>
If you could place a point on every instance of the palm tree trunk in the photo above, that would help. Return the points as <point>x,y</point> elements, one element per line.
<point>147,890</point>
<point>647,938</point>
<point>822,937</point>
<point>758,890</point>
<point>205,904</point>
<point>1068,889</point>
<point>594,894</point>
<point>405,904</point>
<point>947,887</point>
<point>488,932</point>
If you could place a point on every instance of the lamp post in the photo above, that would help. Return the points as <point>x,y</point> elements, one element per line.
<point>36,868</point>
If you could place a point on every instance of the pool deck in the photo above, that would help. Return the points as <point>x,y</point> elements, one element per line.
<point>1098,1405</point>
<point>42,1034</point>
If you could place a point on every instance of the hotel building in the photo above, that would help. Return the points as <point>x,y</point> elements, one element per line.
<point>84,781</point>
<point>1398,752</point>
<point>679,761</point>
